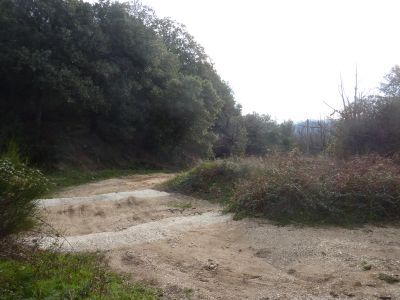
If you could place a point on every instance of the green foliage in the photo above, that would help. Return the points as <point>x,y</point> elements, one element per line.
<point>266,135</point>
<point>12,153</point>
<point>48,275</point>
<point>230,130</point>
<point>19,186</point>
<point>71,71</point>
<point>214,180</point>
<point>391,86</point>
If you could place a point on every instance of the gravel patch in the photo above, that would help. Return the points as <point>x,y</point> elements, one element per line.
<point>148,193</point>
<point>145,232</point>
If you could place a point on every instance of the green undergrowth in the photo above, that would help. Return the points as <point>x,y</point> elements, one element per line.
<point>299,190</point>
<point>19,186</point>
<point>213,181</point>
<point>28,273</point>
<point>49,275</point>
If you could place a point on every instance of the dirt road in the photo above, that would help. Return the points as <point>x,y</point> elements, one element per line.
<point>190,249</point>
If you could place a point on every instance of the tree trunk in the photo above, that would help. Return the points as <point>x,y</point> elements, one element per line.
<point>38,119</point>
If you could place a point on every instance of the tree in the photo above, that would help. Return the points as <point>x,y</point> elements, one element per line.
<point>391,86</point>
<point>112,73</point>
<point>265,135</point>
<point>370,124</point>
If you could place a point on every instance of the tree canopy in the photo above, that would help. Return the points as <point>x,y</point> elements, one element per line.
<point>111,71</point>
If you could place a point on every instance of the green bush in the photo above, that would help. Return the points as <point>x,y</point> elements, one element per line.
<point>19,186</point>
<point>214,180</point>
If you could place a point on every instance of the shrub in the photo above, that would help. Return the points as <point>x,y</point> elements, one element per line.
<point>368,125</point>
<point>321,190</point>
<point>293,188</point>
<point>214,180</point>
<point>19,186</point>
<point>388,278</point>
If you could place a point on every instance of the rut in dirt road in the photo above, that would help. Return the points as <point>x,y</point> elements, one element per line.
<point>102,197</point>
<point>146,232</point>
<point>140,233</point>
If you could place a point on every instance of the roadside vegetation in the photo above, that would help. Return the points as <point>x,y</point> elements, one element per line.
<point>27,272</point>
<point>340,171</point>
<point>19,186</point>
<point>52,275</point>
<point>297,189</point>
<point>213,181</point>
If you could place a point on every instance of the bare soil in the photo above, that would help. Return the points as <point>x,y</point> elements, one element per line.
<point>191,250</point>
<point>126,183</point>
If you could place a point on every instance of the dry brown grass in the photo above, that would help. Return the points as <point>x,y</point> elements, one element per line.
<point>323,190</point>
<point>294,188</point>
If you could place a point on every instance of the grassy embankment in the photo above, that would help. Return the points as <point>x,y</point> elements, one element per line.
<point>51,275</point>
<point>295,189</point>
<point>29,273</point>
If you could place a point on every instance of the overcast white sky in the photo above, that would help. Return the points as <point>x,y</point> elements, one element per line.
<point>285,57</point>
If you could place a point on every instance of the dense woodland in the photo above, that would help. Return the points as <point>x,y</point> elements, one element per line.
<point>107,80</point>
<point>111,83</point>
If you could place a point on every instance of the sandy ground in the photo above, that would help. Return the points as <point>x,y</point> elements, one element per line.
<point>191,250</point>
<point>127,183</point>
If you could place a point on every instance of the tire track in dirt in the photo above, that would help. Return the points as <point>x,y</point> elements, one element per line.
<point>142,233</point>
<point>118,196</point>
